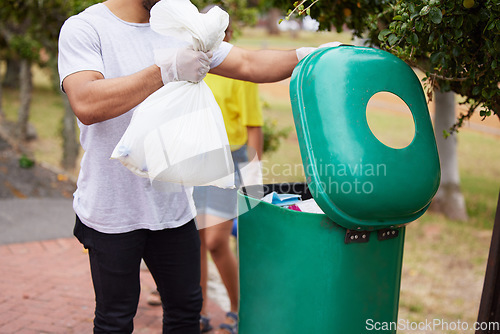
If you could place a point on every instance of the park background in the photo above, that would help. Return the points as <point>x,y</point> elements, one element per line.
<point>444,259</point>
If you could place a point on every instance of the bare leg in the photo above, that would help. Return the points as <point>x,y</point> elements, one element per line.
<point>217,243</point>
<point>215,239</point>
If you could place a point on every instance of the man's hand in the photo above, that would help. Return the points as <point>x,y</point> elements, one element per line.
<point>303,52</point>
<point>182,64</point>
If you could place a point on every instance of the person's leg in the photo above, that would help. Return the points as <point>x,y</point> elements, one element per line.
<point>216,210</point>
<point>173,258</point>
<point>115,266</point>
<point>205,325</point>
<point>204,271</point>
<point>217,242</point>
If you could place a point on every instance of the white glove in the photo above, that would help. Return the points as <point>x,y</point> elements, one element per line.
<point>182,64</point>
<point>303,52</point>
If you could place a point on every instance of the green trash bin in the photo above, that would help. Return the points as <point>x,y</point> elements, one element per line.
<point>337,272</point>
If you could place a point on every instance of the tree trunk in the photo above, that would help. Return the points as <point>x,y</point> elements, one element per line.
<point>449,199</point>
<point>273,17</point>
<point>70,144</point>
<point>11,78</point>
<point>2,113</point>
<point>25,94</point>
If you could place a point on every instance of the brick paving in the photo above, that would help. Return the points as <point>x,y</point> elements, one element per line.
<point>45,287</point>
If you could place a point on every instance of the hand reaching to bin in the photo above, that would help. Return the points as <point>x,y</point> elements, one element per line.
<point>304,51</point>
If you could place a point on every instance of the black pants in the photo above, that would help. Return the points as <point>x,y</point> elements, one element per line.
<point>173,258</point>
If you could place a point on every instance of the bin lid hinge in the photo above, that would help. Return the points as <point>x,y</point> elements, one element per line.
<point>358,237</point>
<point>387,233</point>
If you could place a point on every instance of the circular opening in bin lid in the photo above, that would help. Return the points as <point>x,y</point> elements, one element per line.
<point>357,180</point>
<point>390,120</point>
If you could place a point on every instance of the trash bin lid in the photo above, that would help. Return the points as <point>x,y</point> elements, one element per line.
<point>358,181</point>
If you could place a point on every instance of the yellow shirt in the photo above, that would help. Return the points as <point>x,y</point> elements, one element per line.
<point>240,105</point>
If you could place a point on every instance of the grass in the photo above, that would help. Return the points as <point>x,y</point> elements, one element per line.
<point>444,260</point>
<point>45,116</point>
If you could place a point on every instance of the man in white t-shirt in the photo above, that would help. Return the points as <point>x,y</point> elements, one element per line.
<point>107,68</point>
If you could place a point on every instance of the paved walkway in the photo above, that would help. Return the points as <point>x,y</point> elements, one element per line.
<point>45,285</point>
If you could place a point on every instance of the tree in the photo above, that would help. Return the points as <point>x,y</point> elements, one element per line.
<point>71,146</point>
<point>240,11</point>
<point>456,44</point>
<point>28,28</point>
<point>11,77</point>
<point>449,199</point>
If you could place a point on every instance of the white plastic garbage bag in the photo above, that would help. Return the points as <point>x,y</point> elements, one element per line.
<point>177,134</point>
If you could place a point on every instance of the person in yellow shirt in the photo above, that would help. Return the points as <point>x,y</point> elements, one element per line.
<point>216,208</point>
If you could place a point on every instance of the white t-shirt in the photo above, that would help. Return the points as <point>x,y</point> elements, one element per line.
<point>110,198</point>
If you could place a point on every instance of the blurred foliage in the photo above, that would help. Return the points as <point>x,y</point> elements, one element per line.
<point>242,13</point>
<point>29,29</point>
<point>25,162</point>
<point>273,135</point>
<point>456,43</point>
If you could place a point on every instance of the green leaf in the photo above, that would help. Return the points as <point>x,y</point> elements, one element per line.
<point>383,34</point>
<point>419,25</point>
<point>432,36</point>
<point>425,10</point>
<point>436,15</point>
<point>413,39</point>
<point>494,64</point>
<point>414,15</point>
<point>392,39</point>
<point>485,112</point>
<point>397,18</point>
<point>435,57</point>
<point>476,90</point>
<point>411,7</point>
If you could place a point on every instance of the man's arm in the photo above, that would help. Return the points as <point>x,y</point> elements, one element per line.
<point>258,66</point>
<point>95,99</point>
